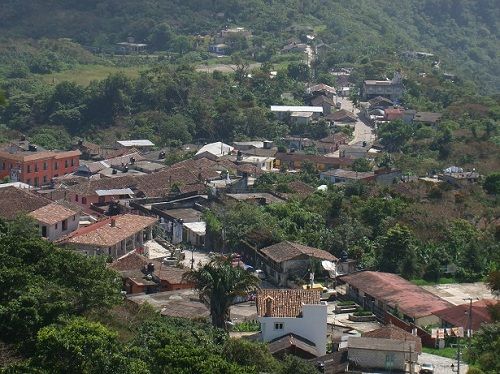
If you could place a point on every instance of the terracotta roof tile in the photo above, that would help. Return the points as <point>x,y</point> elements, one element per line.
<point>15,201</point>
<point>129,261</point>
<point>284,302</point>
<point>103,234</point>
<point>393,290</point>
<point>286,250</point>
<point>457,315</point>
<point>394,332</point>
<point>52,213</point>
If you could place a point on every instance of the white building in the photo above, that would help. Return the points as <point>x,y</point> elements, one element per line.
<point>296,312</point>
<point>55,220</point>
<point>213,151</point>
<point>281,111</point>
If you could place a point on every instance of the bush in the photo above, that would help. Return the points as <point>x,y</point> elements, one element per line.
<point>362,312</point>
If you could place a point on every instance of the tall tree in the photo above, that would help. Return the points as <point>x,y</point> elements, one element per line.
<point>218,284</point>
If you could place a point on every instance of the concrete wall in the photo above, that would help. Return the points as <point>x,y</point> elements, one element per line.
<point>311,326</point>
<point>367,358</point>
<point>56,231</point>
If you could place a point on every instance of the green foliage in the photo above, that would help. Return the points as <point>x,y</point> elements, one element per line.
<point>361,165</point>
<point>492,183</point>
<point>485,343</point>
<point>80,346</point>
<point>218,283</point>
<point>394,135</point>
<point>247,326</point>
<point>41,283</point>
<point>397,252</point>
<point>251,355</point>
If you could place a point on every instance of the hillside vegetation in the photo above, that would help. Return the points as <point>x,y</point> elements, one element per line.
<point>462,33</point>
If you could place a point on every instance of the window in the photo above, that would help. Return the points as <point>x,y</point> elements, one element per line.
<point>74,218</point>
<point>66,163</point>
<point>36,167</point>
<point>76,198</point>
<point>56,166</point>
<point>72,162</point>
<point>36,181</point>
<point>278,326</point>
<point>3,165</point>
<point>44,231</point>
<point>28,169</point>
<point>44,179</point>
<point>65,225</point>
<point>57,225</point>
<point>44,165</point>
<point>84,200</point>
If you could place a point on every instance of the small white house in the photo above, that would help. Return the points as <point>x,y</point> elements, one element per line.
<point>299,312</point>
<point>55,220</point>
<point>213,151</point>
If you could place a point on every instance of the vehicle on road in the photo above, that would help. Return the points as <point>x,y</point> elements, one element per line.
<point>426,369</point>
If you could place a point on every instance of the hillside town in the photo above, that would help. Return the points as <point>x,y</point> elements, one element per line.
<point>151,217</point>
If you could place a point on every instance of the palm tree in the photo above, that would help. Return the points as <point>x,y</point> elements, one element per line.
<point>218,283</point>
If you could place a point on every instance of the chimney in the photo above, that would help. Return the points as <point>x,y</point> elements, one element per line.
<point>113,222</point>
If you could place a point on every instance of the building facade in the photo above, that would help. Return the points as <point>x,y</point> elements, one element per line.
<point>37,168</point>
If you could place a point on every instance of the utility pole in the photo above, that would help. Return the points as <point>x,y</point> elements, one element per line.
<point>457,370</point>
<point>469,321</point>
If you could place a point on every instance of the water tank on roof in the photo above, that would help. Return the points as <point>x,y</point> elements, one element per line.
<point>32,148</point>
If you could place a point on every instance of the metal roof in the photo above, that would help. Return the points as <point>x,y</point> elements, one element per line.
<point>114,192</point>
<point>136,143</point>
<point>296,108</point>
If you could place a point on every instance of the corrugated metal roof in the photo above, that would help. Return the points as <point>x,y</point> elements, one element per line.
<point>296,108</point>
<point>136,143</point>
<point>114,192</point>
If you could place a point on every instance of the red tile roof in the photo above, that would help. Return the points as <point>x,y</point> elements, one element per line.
<point>284,302</point>
<point>15,201</point>
<point>52,214</point>
<point>130,261</point>
<point>104,234</point>
<point>457,315</point>
<point>393,290</point>
<point>394,332</point>
<point>286,251</point>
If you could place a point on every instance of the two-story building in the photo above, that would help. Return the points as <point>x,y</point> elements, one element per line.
<point>55,220</point>
<point>114,236</point>
<point>391,89</point>
<point>283,261</point>
<point>297,314</point>
<point>27,163</point>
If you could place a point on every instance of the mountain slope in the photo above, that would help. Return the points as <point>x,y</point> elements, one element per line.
<point>463,33</point>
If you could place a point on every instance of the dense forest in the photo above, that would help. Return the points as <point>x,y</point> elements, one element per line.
<point>462,33</point>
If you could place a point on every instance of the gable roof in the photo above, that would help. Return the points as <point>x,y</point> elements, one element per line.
<point>342,115</point>
<point>322,87</point>
<point>393,290</point>
<point>380,100</point>
<point>284,302</point>
<point>129,261</point>
<point>52,213</point>
<point>286,250</point>
<point>105,234</point>
<point>288,341</point>
<point>320,99</point>
<point>457,315</point>
<point>217,149</point>
<point>15,201</point>
<point>393,332</point>
<point>375,344</point>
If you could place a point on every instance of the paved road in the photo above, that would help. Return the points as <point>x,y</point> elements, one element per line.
<point>442,365</point>
<point>362,132</point>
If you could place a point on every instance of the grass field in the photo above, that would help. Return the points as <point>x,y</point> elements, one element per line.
<point>447,352</point>
<point>84,74</point>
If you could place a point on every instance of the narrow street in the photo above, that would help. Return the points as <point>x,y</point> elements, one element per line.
<point>362,132</point>
<point>442,365</point>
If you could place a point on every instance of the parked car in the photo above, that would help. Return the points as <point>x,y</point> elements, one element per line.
<point>426,369</point>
